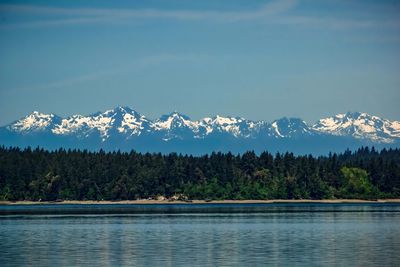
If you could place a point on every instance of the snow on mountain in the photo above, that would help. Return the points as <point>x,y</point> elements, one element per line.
<point>122,119</point>
<point>238,127</point>
<point>34,122</point>
<point>127,123</point>
<point>173,121</point>
<point>175,125</point>
<point>393,129</point>
<point>71,125</point>
<point>289,128</point>
<point>361,126</point>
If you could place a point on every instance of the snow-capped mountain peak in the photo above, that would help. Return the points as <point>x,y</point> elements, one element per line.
<point>289,128</point>
<point>122,119</point>
<point>172,121</point>
<point>175,126</point>
<point>127,120</point>
<point>124,123</point>
<point>36,121</point>
<point>359,125</point>
<point>221,124</point>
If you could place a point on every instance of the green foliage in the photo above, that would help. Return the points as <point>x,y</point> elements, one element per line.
<point>357,184</point>
<point>42,175</point>
<point>46,187</point>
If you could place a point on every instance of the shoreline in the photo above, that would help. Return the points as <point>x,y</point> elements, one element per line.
<point>155,202</point>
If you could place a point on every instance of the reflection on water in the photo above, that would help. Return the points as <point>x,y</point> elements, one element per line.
<point>352,235</point>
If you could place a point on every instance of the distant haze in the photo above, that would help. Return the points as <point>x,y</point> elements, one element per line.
<point>256,59</point>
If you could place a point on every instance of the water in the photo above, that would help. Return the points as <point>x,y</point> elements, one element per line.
<point>200,235</point>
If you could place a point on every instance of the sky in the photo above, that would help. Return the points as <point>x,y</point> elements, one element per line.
<point>261,60</point>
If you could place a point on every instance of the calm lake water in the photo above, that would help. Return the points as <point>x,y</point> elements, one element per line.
<point>201,235</point>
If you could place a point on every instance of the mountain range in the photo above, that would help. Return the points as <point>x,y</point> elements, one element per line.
<point>122,128</point>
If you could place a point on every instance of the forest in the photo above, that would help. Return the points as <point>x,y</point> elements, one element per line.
<point>41,175</point>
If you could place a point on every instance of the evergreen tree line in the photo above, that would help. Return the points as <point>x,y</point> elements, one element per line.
<point>37,174</point>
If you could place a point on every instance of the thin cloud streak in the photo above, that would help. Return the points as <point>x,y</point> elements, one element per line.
<point>338,24</point>
<point>134,66</point>
<point>96,15</point>
<point>275,12</point>
<point>273,7</point>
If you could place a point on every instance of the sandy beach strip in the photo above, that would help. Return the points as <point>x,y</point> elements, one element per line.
<point>146,201</point>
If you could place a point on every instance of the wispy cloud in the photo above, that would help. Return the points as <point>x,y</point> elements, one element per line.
<point>274,12</point>
<point>133,66</point>
<point>336,23</point>
<point>69,16</point>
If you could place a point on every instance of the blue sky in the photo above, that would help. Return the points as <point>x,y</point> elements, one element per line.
<point>256,59</point>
